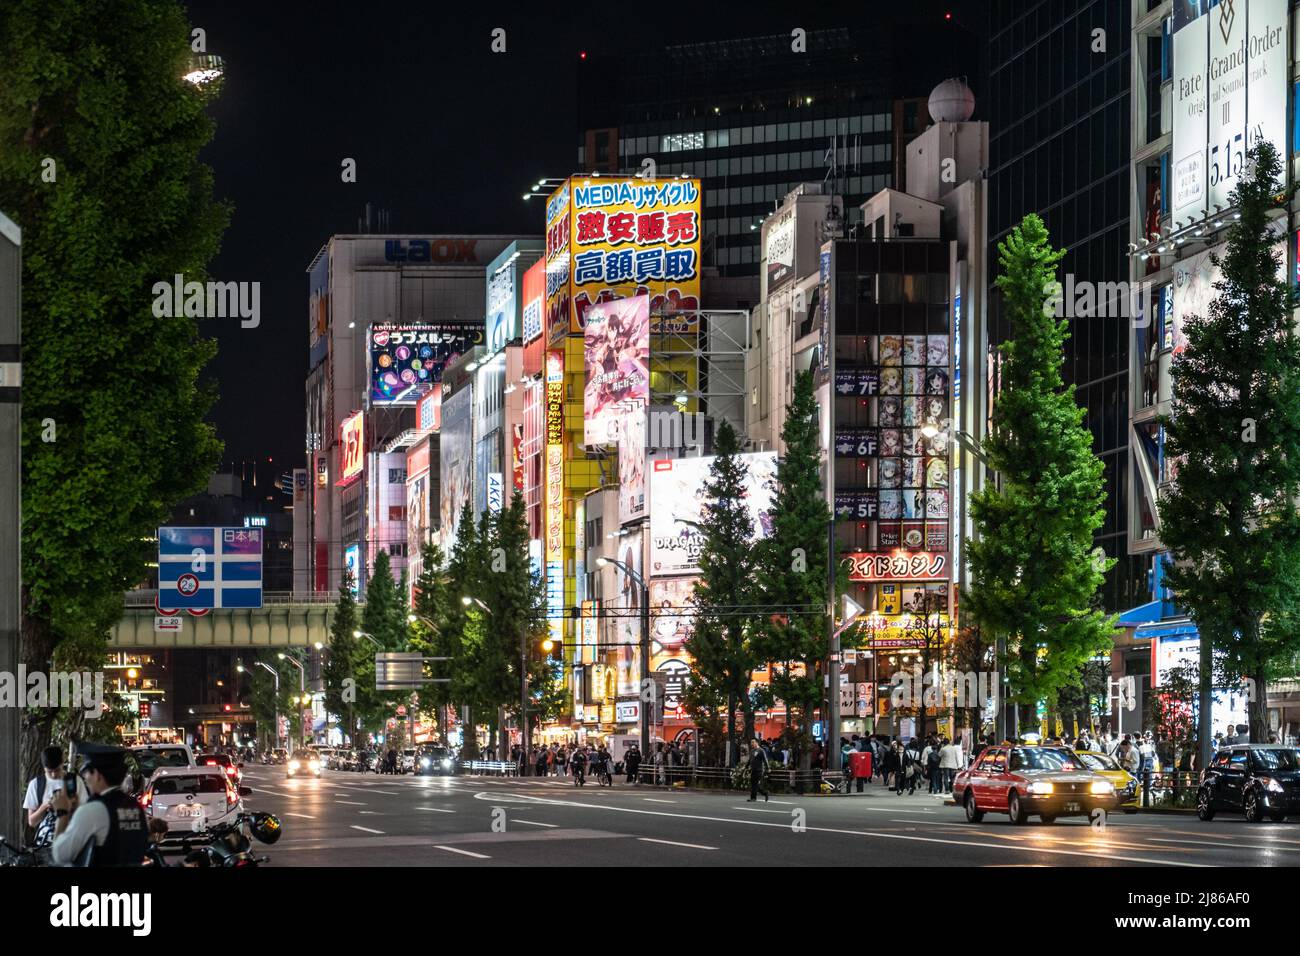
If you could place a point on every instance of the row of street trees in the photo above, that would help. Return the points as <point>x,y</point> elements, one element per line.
<point>481,605</point>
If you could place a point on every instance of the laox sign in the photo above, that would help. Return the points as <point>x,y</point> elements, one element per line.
<point>431,250</point>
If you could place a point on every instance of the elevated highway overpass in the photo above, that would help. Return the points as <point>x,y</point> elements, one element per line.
<point>284,620</point>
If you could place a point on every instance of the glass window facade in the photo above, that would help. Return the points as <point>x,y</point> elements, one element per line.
<point>1059,125</point>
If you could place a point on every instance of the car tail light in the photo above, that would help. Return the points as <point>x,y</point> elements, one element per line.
<point>146,799</point>
<point>230,771</point>
<point>232,796</point>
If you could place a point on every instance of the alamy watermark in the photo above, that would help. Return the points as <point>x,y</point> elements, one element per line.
<point>1082,298</point>
<point>37,690</point>
<point>935,688</point>
<point>209,300</point>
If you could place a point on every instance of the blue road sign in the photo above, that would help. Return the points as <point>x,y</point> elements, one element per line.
<point>209,567</point>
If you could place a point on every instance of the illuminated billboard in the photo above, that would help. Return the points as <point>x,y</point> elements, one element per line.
<point>631,467</point>
<point>553,504</point>
<point>899,566</point>
<point>611,239</point>
<point>406,359</point>
<point>428,411</point>
<point>616,349</point>
<point>455,461</point>
<point>677,502</point>
<point>1230,87</point>
<point>672,613</point>
<point>352,447</point>
<point>534,284</point>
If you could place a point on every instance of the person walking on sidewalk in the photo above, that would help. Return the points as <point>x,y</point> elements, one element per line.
<point>757,768</point>
<point>933,759</point>
<point>949,763</point>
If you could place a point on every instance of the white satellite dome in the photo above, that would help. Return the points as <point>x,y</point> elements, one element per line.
<point>952,102</point>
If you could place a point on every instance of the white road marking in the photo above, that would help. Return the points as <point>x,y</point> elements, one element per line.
<point>897,810</point>
<point>1244,846</point>
<point>387,793</point>
<point>690,846</point>
<point>532,823</point>
<point>1112,857</point>
<point>366,829</point>
<point>435,809</point>
<point>784,813</point>
<point>303,815</point>
<point>350,803</point>
<point>653,800</point>
<point>452,849</point>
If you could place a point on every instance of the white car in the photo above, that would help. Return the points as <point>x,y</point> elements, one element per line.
<point>303,763</point>
<point>183,796</point>
<point>406,762</point>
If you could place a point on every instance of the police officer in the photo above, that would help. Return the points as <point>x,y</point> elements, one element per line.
<point>111,819</point>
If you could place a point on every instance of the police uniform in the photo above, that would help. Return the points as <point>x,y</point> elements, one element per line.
<point>112,819</point>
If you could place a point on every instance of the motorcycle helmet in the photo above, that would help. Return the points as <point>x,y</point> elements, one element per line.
<point>265,826</point>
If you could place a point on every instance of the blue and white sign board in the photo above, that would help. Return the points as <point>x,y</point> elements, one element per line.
<point>209,567</point>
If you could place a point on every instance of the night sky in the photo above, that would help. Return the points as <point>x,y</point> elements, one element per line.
<point>446,134</point>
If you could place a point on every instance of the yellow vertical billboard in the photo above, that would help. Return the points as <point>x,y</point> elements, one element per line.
<point>616,238</point>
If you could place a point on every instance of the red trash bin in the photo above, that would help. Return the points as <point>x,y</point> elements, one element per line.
<point>860,764</point>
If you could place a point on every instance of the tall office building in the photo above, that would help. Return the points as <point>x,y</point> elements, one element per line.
<point>753,119</point>
<point>1058,109</point>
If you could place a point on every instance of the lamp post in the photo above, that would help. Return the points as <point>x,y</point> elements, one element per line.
<point>972,447</point>
<point>276,674</point>
<point>644,648</point>
<point>523,685</point>
<point>302,689</point>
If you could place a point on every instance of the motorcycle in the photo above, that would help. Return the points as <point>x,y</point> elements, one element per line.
<point>10,855</point>
<point>225,844</point>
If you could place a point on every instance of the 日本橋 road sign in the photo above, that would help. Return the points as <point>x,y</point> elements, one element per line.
<point>209,567</point>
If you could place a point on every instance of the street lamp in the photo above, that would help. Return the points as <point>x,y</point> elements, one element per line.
<point>523,685</point>
<point>276,674</point>
<point>302,687</point>
<point>645,643</point>
<point>362,634</point>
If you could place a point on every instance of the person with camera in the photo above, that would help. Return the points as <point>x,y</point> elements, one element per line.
<point>39,801</point>
<point>109,819</point>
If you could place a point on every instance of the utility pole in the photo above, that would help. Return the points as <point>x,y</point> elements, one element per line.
<point>832,722</point>
<point>10,517</point>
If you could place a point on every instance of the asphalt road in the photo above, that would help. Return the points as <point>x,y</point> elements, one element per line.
<point>368,819</point>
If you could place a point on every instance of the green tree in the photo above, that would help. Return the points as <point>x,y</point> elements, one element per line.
<point>724,598</point>
<point>1033,568</point>
<point>384,619</point>
<point>432,600</point>
<point>517,597</point>
<point>464,622</point>
<point>1233,439</point>
<point>344,658</point>
<point>97,89</point>
<point>791,572</point>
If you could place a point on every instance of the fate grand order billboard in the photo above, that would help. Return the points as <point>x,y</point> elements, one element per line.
<point>1229,93</point>
<point>615,238</point>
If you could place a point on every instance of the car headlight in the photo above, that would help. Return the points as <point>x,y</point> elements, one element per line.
<point>446,763</point>
<point>425,762</point>
<point>1101,786</point>
<point>1041,786</point>
<point>293,765</point>
<point>315,765</point>
<point>1274,786</point>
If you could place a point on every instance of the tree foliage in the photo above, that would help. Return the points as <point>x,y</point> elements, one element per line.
<point>724,596</point>
<point>791,570</point>
<point>1034,572</point>
<point>97,89</point>
<point>1233,440</point>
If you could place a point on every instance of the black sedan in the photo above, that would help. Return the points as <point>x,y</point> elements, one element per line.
<point>1258,780</point>
<point>437,761</point>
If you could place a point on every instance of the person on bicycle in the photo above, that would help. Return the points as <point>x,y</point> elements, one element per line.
<point>578,762</point>
<point>600,766</point>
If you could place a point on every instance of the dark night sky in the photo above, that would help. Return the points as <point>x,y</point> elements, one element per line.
<point>446,135</point>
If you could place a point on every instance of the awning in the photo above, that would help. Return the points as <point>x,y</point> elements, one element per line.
<point>1142,614</point>
<point>1166,629</point>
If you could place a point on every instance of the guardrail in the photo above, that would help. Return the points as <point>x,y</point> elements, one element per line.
<point>778,779</point>
<point>1169,790</point>
<point>490,768</point>
<point>145,597</point>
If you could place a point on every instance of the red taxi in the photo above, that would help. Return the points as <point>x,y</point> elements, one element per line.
<point>1022,781</point>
